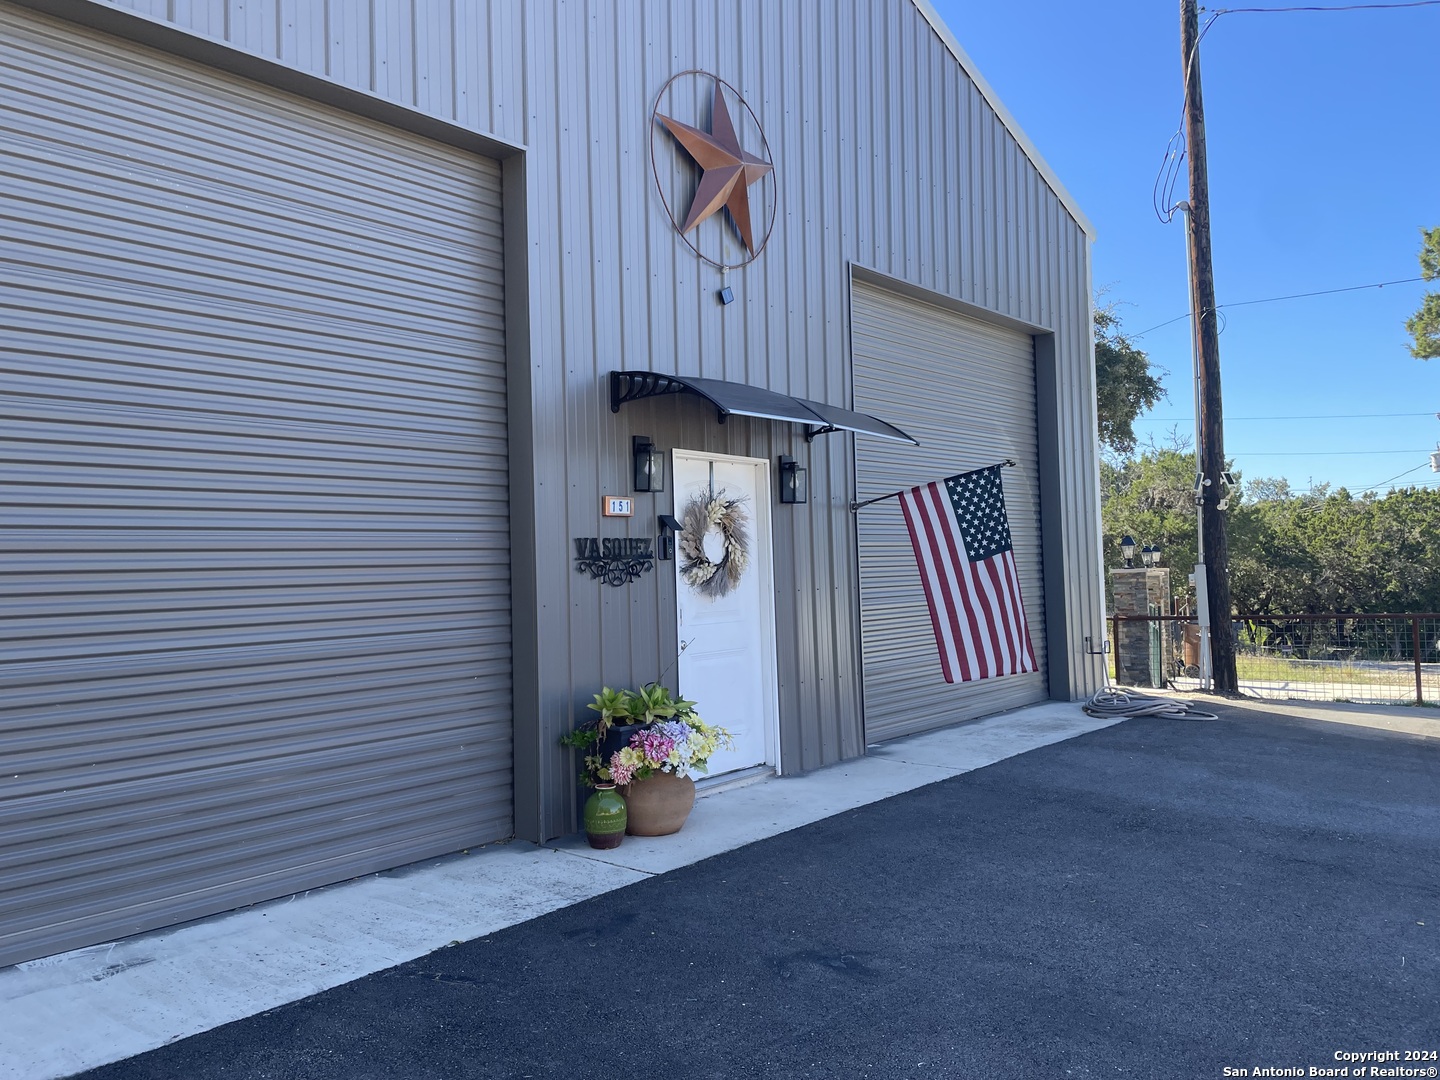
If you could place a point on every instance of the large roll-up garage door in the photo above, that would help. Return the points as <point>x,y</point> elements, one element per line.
<point>966,390</point>
<point>253,520</point>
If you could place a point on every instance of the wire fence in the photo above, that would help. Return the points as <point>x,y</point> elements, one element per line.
<point>1391,659</point>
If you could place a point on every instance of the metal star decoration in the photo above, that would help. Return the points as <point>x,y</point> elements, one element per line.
<point>726,169</point>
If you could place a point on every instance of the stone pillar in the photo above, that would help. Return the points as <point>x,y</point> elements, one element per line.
<point>1143,591</point>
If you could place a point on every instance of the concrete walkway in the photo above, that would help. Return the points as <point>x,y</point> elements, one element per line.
<point>72,1012</point>
<point>1257,895</point>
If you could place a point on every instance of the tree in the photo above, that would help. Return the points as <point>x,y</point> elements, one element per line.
<point>1424,325</point>
<point>1124,387</point>
<point>1151,498</point>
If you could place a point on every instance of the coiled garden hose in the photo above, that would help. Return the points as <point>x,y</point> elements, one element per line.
<point>1112,702</point>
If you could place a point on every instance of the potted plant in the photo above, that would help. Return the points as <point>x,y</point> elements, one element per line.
<point>606,815</point>
<point>602,735</point>
<point>665,742</point>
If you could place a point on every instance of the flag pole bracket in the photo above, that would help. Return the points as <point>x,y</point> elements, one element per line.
<point>1008,463</point>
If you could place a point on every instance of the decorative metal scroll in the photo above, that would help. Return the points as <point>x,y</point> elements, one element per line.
<point>615,560</point>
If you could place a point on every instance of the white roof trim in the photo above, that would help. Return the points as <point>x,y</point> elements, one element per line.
<point>988,92</point>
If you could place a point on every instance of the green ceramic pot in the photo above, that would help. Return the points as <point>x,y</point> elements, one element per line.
<point>605,817</point>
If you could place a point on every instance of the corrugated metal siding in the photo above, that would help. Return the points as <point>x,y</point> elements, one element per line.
<point>888,156</point>
<point>966,390</point>
<point>253,552</point>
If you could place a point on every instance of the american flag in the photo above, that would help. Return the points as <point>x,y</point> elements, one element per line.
<point>962,544</point>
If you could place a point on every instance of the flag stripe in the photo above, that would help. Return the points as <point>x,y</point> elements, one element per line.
<point>960,659</point>
<point>1007,613</point>
<point>981,631</point>
<point>927,575</point>
<point>1023,636</point>
<point>984,571</point>
<point>962,587</point>
<point>956,565</point>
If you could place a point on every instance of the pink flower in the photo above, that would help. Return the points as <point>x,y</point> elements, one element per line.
<point>655,746</point>
<point>621,773</point>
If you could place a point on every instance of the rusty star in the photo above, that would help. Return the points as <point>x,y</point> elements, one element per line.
<point>726,170</point>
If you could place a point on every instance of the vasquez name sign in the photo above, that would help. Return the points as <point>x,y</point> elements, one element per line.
<point>614,559</point>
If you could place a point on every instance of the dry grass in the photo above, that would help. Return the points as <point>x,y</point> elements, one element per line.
<point>1276,669</point>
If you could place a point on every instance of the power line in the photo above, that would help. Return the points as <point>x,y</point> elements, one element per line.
<point>1323,292</point>
<point>1292,296</point>
<point>1237,454</point>
<point>1407,472</point>
<point>1344,7</point>
<point>1318,416</point>
<point>1162,195</point>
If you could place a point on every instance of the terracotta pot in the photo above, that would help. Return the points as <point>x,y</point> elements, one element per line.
<point>659,805</point>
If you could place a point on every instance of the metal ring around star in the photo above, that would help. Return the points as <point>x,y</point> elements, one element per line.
<point>655,171</point>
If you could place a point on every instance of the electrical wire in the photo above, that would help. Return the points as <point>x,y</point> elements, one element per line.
<point>1162,195</point>
<point>1397,476</point>
<point>1343,7</point>
<point>1315,453</point>
<point>1322,292</point>
<point>1322,416</point>
<point>1292,296</point>
<point>1111,702</point>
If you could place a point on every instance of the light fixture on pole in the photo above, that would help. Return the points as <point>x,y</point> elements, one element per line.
<point>649,464</point>
<point>1127,550</point>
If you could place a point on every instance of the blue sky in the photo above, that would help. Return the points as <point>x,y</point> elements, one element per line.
<point>1323,138</point>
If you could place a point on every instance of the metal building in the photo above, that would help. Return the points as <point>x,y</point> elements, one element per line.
<point>316,317</point>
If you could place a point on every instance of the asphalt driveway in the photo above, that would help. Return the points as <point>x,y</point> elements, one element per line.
<point>1157,899</point>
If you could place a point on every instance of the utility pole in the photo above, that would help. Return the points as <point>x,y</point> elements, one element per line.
<point>1209,431</point>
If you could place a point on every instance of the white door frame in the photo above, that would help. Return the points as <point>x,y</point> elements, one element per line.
<point>763,563</point>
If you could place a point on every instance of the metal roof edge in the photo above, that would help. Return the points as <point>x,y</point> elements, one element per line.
<point>927,10</point>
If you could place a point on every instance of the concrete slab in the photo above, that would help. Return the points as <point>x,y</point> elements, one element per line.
<point>1158,899</point>
<point>152,989</point>
<point>147,991</point>
<point>736,817</point>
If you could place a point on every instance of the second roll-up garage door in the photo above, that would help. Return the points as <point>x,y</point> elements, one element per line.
<point>966,390</point>
<point>255,529</point>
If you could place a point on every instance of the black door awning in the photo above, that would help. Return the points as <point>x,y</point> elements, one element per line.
<point>738,399</point>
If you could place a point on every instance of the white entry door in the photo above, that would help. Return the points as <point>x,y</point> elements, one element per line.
<point>728,665</point>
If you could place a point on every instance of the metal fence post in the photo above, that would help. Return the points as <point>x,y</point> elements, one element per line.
<point>1419,680</point>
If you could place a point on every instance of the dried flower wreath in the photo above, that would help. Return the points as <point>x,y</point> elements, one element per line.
<point>704,512</point>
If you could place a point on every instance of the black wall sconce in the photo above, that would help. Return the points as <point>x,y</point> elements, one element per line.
<point>794,481</point>
<point>649,464</point>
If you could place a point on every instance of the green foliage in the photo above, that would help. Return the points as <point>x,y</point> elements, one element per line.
<point>650,703</point>
<point>1424,325</point>
<point>1312,552</point>
<point>612,705</point>
<point>1151,497</point>
<point>1124,387</point>
<point>653,702</point>
<point>1430,253</point>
